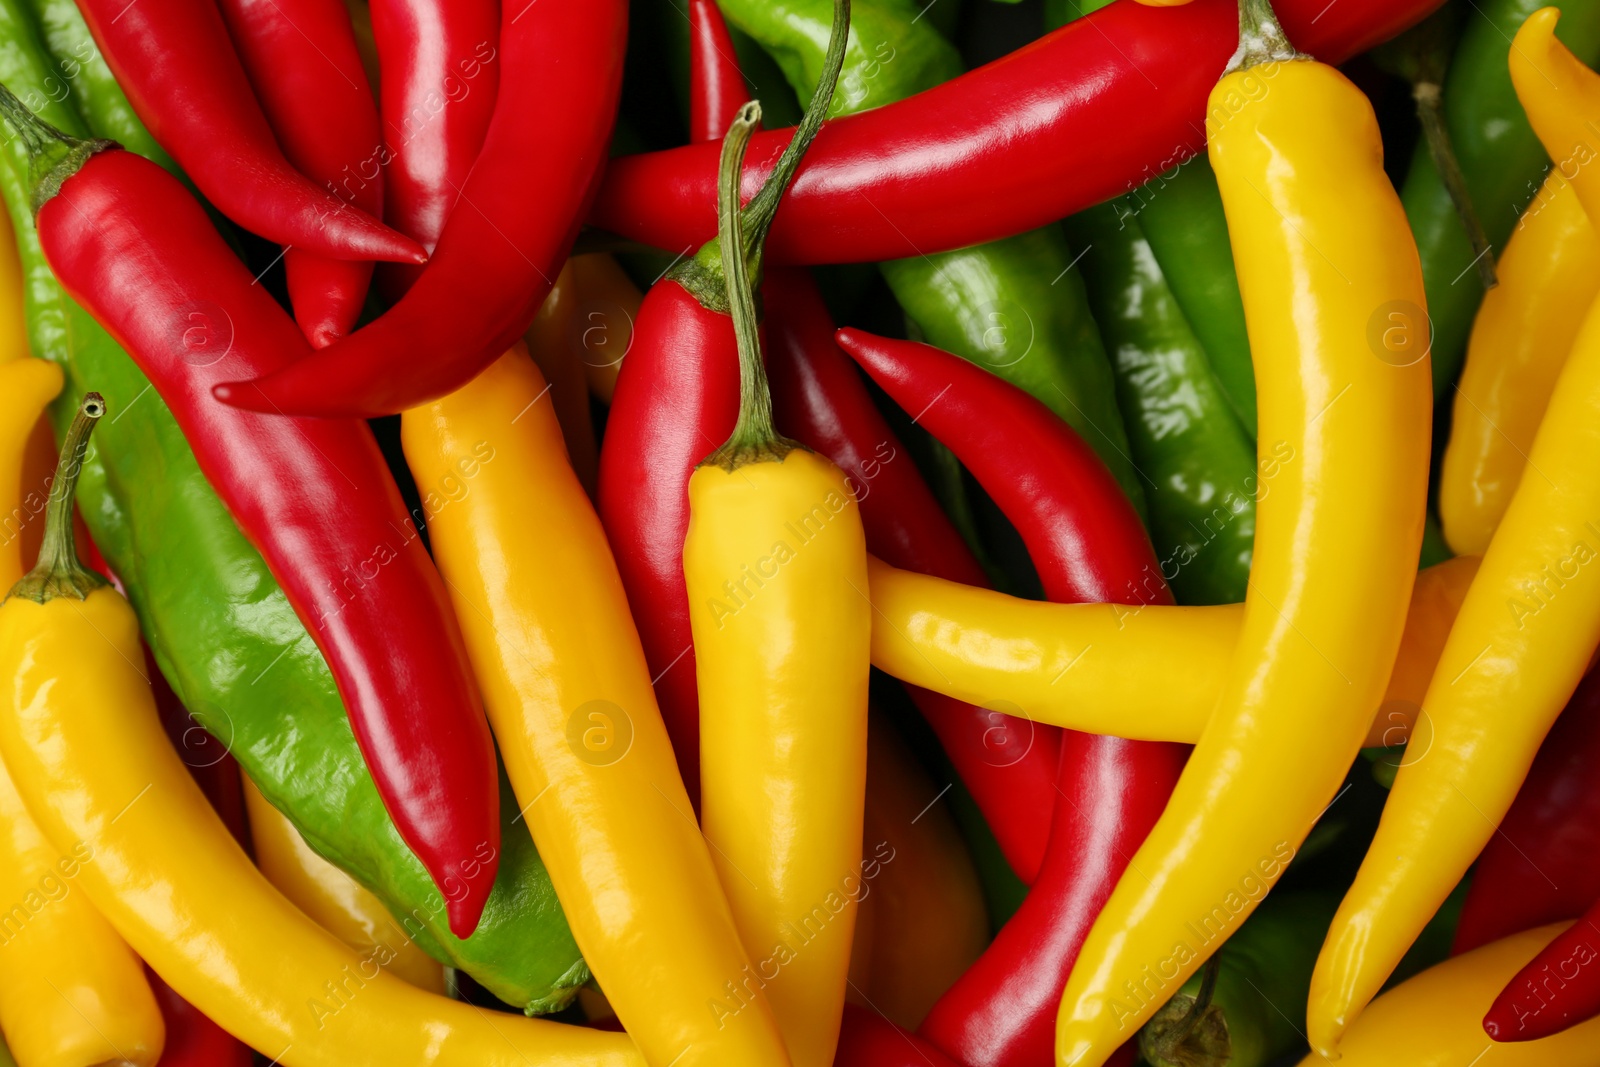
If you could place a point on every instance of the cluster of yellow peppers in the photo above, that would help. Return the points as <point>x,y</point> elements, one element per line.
<point>1281,691</point>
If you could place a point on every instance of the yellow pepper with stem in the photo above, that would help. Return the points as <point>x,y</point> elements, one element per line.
<point>776,566</point>
<point>332,899</point>
<point>72,993</point>
<point>80,732</point>
<point>1435,1019</point>
<point>568,694</point>
<point>1525,635</point>
<point>1333,303</point>
<point>1549,275</point>
<point>1087,666</point>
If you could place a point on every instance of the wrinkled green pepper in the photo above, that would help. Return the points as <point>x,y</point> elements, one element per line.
<point>1183,435</point>
<point>224,634</point>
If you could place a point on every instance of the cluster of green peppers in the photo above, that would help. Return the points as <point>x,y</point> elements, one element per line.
<point>221,629</point>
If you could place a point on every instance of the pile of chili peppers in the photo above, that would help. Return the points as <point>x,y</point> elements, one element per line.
<point>492,575</point>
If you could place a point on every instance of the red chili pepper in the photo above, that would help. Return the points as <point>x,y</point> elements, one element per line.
<point>1543,864</point>
<point>193,1040</point>
<point>717,87</point>
<point>1090,111</point>
<point>183,77</point>
<point>302,60</point>
<point>1087,544</point>
<point>867,1039</point>
<point>1008,764</point>
<point>499,255</point>
<point>1558,989</point>
<point>313,495</point>
<point>440,79</point>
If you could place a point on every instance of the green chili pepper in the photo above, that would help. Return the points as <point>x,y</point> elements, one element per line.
<point>225,636</point>
<point>1500,158</point>
<point>1183,436</point>
<point>87,82</point>
<point>1180,214</point>
<point>1012,306</point>
<point>1257,1006</point>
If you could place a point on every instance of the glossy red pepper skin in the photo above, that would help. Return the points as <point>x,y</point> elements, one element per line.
<point>313,495</point>
<point>867,1039</point>
<point>1088,545</point>
<point>441,74</point>
<point>1557,989</point>
<point>1008,764</point>
<point>1544,863</point>
<point>523,202</point>
<point>717,87</point>
<point>301,58</point>
<point>193,1040</point>
<point>176,63</point>
<point>676,401</point>
<point>1085,113</point>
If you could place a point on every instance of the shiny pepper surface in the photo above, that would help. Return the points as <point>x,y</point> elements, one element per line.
<point>1323,252</point>
<point>1525,635</point>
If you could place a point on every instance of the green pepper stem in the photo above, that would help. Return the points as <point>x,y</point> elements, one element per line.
<point>1261,38</point>
<point>764,205</point>
<point>703,274</point>
<point>1431,113</point>
<point>753,438</point>
<point>58,572</point>
<point>1189,1032</point>
<point>53,156</point>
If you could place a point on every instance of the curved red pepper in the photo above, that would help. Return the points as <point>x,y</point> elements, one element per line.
<point>717,87</point>
<point>1088,546</point>
<point>1543,864</point>
<point>441,74</point>
<point>313,495</point>
<point>1558,989</point>
<point>500,252</point>
<point>303,64</point>
<point>180,71</point>
<point>1008,764</point>
<point>676,400</point>
<point>1090,111</point>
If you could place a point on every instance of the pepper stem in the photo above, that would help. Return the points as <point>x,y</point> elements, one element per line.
<point>1429,110</point>
<point>1189,1031</point>
<point>753,439</point>
<point>58,572</point>
<point>53,156</point>
<point>703,274</point>
<point>1261,38</point>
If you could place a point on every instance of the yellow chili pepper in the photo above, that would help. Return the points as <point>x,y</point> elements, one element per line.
<point>608,306</point>
<point>553,342</point>
<point>1333,303</point>
<point>929,922</point>
<point>1525,635</point>
<point>80,732</point>
<point>1436,1018</point>
<point>1070,665</point>
<point>71,991</point>
<point>332,899</point>
<point>1549,275</point>
<point>13,315</point>
<point>776,566</point>
<point>568,693</point>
